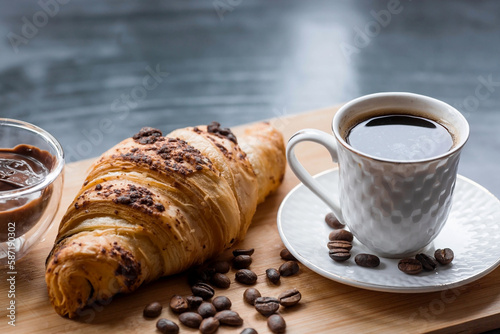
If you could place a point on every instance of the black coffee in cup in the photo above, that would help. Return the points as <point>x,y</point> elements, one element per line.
<point>400,137</point>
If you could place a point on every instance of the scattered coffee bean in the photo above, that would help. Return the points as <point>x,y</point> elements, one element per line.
<point>289,297</point>
<point>286,255</point>
<point>367,260</point>
<point>221,281</point>
<point>336,244</point>
<point>209,325</point>
<point>207,272</point>
<point>339,254</point>
<point>203,290</point>
<point>192,276</point>
<point>289,268</point>
<point>341,235</point>
<point>249,331</point>
<point>273,275</point>
<point>193,303</point>
<point>444,256</point>
<point>201,274</point>
<point>206,310</point>
<point>242,261</point>
<point>410,266</point>
<point>238,252</point>
<point>152,310</point>
<point>191,319</point>
<point>250,295</point>
<point>246,276</point>
<point>179,304</point>
<point>221,267</point>
<point>228,317</point>
<point>267,305</point>
<point>428,262</point>
<point>166,326</point>
<point>222,303</point>
<point>276,323</point>
<point>333,222</point>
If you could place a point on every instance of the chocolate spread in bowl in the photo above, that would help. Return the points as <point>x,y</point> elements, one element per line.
<point>22,167</point>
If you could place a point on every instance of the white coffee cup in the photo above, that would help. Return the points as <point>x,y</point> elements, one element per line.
<point>395,208</point>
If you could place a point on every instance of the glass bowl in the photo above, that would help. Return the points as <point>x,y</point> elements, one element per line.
<point>27,212</point>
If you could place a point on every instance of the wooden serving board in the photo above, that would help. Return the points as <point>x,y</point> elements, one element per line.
<point>326,306</point>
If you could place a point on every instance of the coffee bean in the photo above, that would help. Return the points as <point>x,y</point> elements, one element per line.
<point>267,305</point>
<point>339,254</point>
<point>152,310</point>
<point>203,290</point>
<point>221,267</point>
<point>242,261</point>
<point>209,325</point>
<point>333,222</point>
<point>428,262</point>
<point>193,278</point>
<point>273,275</point>
<point>276,323</point>
<point>221,303</point>
<point>221,281</point>
<point>228,317</point>
<point>179,304</point>
<point>286,255</point>
<point>249,331</point>
<point>238,252</point>
<point>207,273</point>
<point>201,274</point>
<point>336,244</point>
<point>289,297</point>
<point>444,256</point>
<point>289,268</point>
<point>367,260</point>
<point>191,319</point>
<point>341,235</point>
<point>166,326</point>
<point>206,310</point>
<point>193,303</point>
<point>250,295</point>
<point>246,276</point>
<point>410,266</point>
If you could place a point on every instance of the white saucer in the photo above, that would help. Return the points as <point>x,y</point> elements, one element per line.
<point>472,232</point>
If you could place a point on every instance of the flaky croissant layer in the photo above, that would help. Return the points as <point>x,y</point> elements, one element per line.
<point>153,206</point>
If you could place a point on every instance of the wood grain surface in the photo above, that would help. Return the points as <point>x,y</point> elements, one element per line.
<point>326,306</point>
<point>241,61</point>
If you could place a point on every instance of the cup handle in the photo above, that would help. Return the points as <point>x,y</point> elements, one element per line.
<point>329,143</point>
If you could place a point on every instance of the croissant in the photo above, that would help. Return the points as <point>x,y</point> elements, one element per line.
<point>156,205</point>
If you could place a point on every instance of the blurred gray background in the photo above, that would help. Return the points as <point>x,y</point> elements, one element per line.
<point>94,72</point>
